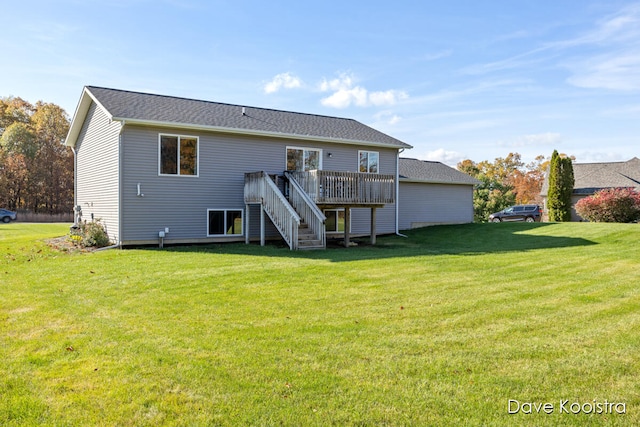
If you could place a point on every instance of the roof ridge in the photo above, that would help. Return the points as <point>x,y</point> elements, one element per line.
<point>606,163</point>
<point>420,160</point>
<point>218,103</point>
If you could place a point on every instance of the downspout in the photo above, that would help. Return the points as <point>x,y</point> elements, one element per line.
<point>398,193</point>
<point>120,188</point>
<point>75,187</point>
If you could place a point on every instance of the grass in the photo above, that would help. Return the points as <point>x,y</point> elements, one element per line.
<point>440,328</point>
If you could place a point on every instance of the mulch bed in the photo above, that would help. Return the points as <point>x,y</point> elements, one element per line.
<point>64,244</point>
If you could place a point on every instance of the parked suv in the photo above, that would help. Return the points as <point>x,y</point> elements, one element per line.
<point>528,213</point>
<point>6,216</point>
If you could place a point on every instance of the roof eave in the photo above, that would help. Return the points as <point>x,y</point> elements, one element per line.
<point>80,115</point>
<point>221,129</point>
<point>433,181</point>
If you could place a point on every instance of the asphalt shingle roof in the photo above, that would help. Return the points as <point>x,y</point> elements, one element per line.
<point>434,172</point>
<point>122,104</point>
<point>591,177</point>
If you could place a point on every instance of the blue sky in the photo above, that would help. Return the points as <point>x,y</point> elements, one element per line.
<point>456,79</point>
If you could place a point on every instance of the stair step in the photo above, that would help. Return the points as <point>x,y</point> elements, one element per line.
<point>310,244</point>
<point>307,237</point>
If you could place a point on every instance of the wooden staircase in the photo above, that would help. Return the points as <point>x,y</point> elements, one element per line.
<point>298,219</point>
<point>307,238</point>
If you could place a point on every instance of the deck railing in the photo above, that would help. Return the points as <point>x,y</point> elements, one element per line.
<point>307,209</point>
<point>260,188</point>
<point>355,188</point>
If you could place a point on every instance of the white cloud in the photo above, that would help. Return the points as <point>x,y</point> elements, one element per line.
<point>623,26</point>
<point>388,97</point>
<point>283,80</point>
<point>447,157</point>
<point>436,55</point>
<point>345,97</point>
<point>344,82</point>
<point>387,117</point>
<point>347,93</point>
<point>617,72</point>
<point>606,57</point>
<point>599,157</point>
<point>548,138</point>
<point>618,68</point>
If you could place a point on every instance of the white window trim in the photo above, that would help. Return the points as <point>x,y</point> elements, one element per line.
<point>225,222</point>
<point>368,151</point>
<point>197,138</point>
<point>291,147</point>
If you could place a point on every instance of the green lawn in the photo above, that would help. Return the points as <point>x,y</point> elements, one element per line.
<point>441,328</point>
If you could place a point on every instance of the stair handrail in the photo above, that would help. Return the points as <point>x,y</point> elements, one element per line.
<point>308,210</point>
<point>281,213</point>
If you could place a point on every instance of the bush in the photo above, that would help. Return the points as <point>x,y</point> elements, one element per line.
<point>90,234</point>
<point>610,205</point>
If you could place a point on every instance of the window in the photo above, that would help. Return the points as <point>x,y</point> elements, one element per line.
<point>303,159</point>
<point>178,155</point>
<point>224,222</point>
<point>335,220</point>
<point>368,161</point>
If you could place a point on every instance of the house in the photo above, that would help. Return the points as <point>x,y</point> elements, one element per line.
<point>432,193</point>
<point>590,178</point>
<point>157,169</point>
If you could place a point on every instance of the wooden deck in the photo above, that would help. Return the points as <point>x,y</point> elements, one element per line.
<point>355,189</point>
<point>310,192</point>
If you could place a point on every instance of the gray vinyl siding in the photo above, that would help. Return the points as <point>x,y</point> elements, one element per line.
<point>97,170</point>
<point>180,203</point>
<point>422,204</point>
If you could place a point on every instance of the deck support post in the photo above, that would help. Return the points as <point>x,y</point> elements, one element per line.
<point>347,225</point>
<point>373,226</point>
<point>262,225</point>
<point>246,223</point>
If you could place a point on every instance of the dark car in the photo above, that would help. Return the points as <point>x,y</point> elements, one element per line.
<point>528,213</point>
<point>6,215</point>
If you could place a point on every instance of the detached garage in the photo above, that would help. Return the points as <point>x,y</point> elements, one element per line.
<point>433,193</point>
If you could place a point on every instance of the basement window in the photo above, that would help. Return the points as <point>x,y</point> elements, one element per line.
<point>224,222</point>
<point>335,220</point>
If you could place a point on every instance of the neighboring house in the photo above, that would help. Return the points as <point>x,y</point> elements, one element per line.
<point>433,193</point>
<point>592,177</point>
<point>158,168</point>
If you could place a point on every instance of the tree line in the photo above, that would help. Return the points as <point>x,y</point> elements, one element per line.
<point>508,181</point>
<point>36,169</point>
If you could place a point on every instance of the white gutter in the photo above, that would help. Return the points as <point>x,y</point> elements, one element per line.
<point>418,181</point>
<point>253,132</point>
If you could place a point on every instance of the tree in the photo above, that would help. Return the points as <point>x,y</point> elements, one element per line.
<point>36,169</point>
<point>505,182</point>
<point>560,188</point>
<point>527,183</point>
<point>490,196</point>
<point>13,179</point>
<point>19,138</point>
<point>14,110</point>
<point>494,193</point>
